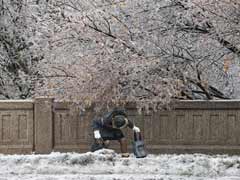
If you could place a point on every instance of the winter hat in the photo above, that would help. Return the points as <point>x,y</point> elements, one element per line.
<point>120,121</point>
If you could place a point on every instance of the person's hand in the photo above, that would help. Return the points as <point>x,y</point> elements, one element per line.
<point>98,137</point>
<point>97,134</point>
<point>136,129</point>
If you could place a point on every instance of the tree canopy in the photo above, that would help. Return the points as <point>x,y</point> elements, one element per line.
<point>116,51</point>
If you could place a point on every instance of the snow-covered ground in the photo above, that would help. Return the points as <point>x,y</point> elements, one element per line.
<point>107,165</point>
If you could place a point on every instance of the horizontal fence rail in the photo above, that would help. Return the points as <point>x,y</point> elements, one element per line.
<point>43,125</point>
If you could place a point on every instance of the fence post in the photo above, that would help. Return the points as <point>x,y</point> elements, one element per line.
<point>43,121</point>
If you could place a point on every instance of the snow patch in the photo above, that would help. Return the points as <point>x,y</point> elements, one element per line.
<point>106,164</point>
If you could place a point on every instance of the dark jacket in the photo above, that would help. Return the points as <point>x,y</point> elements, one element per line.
<point>106,120</point>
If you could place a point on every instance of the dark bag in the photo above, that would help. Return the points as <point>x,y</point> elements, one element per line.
<point>138,146</point>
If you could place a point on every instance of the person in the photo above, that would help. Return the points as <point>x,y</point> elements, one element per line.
<point>109,127</point>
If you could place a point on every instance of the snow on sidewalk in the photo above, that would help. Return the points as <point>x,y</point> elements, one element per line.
<point>107,165</point>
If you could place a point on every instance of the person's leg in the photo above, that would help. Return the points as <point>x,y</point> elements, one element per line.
<point>115,134</point>
<point>123,145</point>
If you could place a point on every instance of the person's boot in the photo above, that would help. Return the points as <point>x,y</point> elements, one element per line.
<point>125,155</point>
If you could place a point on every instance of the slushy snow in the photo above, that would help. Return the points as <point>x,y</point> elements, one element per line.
<point>107,165</point>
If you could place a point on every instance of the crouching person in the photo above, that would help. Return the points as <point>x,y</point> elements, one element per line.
<point>109,127</point>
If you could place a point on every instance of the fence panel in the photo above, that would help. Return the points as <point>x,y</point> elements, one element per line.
<point>16,127</point>
<point>72,131</point>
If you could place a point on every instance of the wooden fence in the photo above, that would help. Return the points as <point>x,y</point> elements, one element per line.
<point>43,125</point>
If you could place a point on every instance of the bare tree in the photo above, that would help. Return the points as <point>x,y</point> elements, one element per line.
<point>215,26</point>
<point>19,50</point>
<point>142,51</point>
<point>146,51</point>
